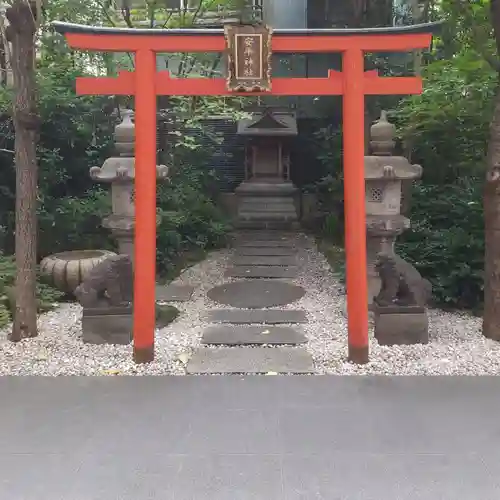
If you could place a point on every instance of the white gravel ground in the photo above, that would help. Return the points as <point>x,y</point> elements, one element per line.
<point>456,348</point>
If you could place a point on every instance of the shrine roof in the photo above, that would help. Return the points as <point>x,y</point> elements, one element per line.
<point>269,124</point>
<point>63,28</point>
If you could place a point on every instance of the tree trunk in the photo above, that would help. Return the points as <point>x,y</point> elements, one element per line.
<point>21,33</point>
<point>491,317</point>
<point>491,314</point>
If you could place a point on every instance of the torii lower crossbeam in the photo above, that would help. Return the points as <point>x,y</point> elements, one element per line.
<point>353,83</point>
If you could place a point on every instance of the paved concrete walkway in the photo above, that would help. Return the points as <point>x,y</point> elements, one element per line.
<point>249,438</point>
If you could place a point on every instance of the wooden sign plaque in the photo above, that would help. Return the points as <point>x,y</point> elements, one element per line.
<point>248,50</point>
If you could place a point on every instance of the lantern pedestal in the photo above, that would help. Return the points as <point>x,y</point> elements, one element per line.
<point>109,325</point>
<point>381,234</point>
<point>401,325</point>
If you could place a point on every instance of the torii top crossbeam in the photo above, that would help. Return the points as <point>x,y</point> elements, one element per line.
<point>145,83</point>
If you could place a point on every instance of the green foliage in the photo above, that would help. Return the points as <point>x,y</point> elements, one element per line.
<point>4,315</point>
<point>189,217</point>
<point>327,144</point>
<point>46,295</point>
<point>446,241</point>
<point>77,134</point>
<point>447,127</point>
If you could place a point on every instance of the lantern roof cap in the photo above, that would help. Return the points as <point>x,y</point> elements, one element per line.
<point>390,168</point>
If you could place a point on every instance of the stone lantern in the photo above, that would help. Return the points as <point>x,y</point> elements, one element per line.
<point>120,172</point>
<point>384,175</point>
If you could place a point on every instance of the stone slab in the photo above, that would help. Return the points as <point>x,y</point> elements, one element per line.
<point>250,360</point>
<point>267,224</point>
<point>265,251</point>
<point>257,234</point>
<point>256,316</point>
<point>107,328</point>
<point>252,335</point>
<point>401,328</point>
<point>262,272</point>
<point>256,294</point>
<point>174,293</point>
<point>268,243</point>
<point>264,260</point>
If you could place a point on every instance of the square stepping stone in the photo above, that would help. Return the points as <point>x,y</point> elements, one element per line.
<point>256,316</point>
<point>251,335</point>
<point>174,293</point>
<point>256,294</point>
<point>264,235</point>
<point>262,272</point>
<point>264,260</point>
<point>267,243</point>
<point>265,251</point>
<point>250,360</point>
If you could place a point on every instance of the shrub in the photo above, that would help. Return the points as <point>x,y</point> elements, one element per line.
<point>46,295</point>
<point>446,241</point>
<point>77,134</point>
<point>448,127</point>
<point>190,219</point>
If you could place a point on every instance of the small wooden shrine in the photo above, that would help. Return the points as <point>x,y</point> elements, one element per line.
<point>267,196</point>
<point>267,150</point>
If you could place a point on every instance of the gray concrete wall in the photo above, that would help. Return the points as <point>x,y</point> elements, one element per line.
<point>282,14</point>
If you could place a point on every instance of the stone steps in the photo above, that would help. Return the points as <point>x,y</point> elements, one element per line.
<point>279,216</point>
<point>266,224</point>
<point>260,204</point>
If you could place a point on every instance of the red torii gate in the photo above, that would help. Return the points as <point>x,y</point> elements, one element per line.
<point>145,83</point>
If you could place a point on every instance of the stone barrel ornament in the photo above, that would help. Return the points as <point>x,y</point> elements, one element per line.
<point>66,270</point>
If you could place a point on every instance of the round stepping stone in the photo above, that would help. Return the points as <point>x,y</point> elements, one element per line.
<point>256,294</point>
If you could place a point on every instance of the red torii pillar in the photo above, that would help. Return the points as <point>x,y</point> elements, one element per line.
<point>353,83</point>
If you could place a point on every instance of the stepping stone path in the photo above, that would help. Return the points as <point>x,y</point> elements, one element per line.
<point>245,331</point>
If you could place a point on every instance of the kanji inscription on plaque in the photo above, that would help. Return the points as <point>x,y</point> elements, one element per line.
<point>248,56</point>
